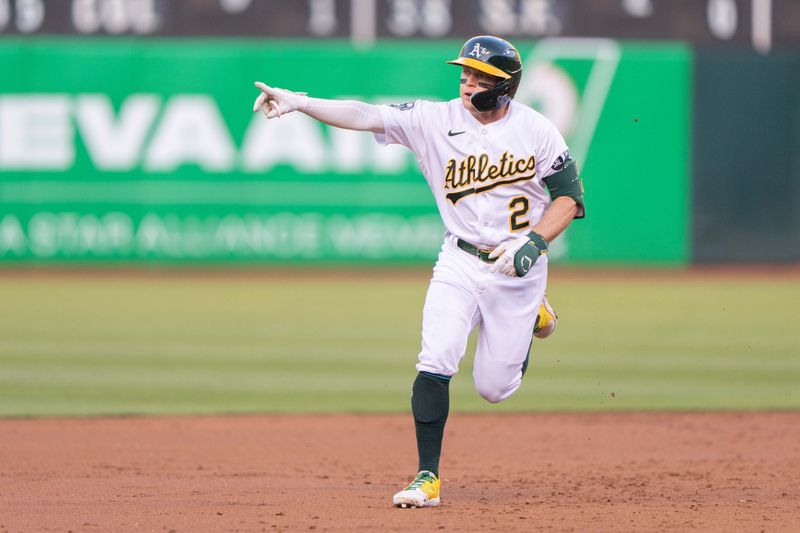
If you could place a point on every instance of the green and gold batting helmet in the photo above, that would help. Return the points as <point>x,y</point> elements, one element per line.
<point>496,57</point>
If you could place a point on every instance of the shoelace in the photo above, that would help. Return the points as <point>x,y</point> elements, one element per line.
<point>420,480</point>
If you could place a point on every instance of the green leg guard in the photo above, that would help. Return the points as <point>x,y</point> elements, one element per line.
<point>430,404</point>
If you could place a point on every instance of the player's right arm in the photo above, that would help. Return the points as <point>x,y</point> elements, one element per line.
<point>347,114</point>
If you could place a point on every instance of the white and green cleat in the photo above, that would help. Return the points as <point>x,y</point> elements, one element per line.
<point>422,492</point>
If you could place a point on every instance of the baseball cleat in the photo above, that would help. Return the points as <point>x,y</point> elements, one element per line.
<point>422,492</point>
<point>546,321</point>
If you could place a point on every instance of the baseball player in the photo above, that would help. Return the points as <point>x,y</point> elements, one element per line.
<point>505,186</point>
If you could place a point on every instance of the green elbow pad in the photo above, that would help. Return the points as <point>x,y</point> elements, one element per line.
<point>566,182</point>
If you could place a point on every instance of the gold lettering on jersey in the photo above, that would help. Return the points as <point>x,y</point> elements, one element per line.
<point>467,176</point>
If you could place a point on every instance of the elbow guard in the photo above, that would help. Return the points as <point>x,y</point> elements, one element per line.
<point>566,182</point>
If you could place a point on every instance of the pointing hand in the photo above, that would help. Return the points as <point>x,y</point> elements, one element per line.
<point>274,102</point>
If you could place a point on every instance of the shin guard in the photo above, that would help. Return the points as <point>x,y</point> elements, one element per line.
<point>430,404</point>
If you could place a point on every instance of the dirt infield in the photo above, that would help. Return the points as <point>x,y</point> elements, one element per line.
<point>544,472</point>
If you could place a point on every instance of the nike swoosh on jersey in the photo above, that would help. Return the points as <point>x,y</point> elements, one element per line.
<point>452,133</point>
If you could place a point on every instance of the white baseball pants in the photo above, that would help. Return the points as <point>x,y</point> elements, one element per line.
<point>464,294</point>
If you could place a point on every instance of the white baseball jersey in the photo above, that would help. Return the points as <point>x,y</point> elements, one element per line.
<point>486,179</point>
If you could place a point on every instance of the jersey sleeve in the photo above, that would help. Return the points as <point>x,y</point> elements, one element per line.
<point>552,156</point>
<point>552,151</point>
<point>403,124</point>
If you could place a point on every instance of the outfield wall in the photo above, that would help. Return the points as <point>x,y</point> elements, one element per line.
<point>115,150</point>
<point>746,169</point>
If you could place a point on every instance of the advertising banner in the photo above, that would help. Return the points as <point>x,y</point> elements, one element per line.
<point>148,150</point>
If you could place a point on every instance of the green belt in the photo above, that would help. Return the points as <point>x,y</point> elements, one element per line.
<point>471,249</point>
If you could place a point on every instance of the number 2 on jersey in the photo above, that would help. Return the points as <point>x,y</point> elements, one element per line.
<point>519,207</point>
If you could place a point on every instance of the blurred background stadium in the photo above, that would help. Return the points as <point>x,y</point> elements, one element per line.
<point>163,249</point>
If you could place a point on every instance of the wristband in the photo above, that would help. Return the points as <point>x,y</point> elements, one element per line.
<point>539,241</point>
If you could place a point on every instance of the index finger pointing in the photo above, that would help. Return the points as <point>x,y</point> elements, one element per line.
<point>263,87</point>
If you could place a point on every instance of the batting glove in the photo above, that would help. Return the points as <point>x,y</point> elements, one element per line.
<point>516,257</point>
<point>275,102</point>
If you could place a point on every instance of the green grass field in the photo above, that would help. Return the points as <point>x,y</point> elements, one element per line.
<point>314,342</point>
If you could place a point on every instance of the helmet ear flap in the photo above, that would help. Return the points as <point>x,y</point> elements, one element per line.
<point>496,97</point>
<point>513,85</point>
<point>490,98</point>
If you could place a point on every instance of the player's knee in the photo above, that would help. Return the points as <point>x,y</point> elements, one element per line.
<point>493,398</point>
<point>496,389</point>
<point>492,394</point>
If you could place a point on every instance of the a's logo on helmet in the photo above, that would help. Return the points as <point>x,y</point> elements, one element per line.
<point>477,50</point>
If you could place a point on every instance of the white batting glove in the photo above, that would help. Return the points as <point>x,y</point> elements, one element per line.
<point>504,253</point>
<point>275,102</point>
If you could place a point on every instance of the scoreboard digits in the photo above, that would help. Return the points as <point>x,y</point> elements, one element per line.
<point>763,24</point>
